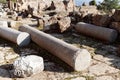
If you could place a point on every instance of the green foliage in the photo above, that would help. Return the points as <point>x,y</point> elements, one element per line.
<point>2,1</point>
<point>108,5</point>
<point>93,2</point>
<point>14,0</point>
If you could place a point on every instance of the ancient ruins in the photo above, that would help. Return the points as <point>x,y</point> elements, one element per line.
<point>57,40</point>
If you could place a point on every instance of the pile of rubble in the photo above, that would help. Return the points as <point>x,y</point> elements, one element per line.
<point>52,14</point>
<point>58,15</point>
<point>39,6</point>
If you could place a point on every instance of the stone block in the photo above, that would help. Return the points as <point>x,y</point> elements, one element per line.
<point>28,65</point>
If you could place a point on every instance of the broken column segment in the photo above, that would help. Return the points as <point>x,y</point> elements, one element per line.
<point>77,58</point>
<point>102,33</point>
<point>21,38</point>
<point>28,65</point>
<point>43,5</point>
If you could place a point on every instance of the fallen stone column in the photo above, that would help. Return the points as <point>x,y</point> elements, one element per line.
<point>21,38</point>
<point>77,58</point>
<point>98,32</point>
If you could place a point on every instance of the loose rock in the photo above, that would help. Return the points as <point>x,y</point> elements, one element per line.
<point>64,24</point>
<point>101,20</point>
<point>115,25</point>
<point>79,78</point>
<point>116,16</point>
<point>28,65</point>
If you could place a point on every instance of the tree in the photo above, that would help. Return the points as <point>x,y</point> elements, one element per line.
<point>93,2</point>
<point>108,5</point>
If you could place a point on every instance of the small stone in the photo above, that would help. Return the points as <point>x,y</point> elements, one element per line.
<point>29,16</point>
<point>46,27</point>
<point>79,78</point>
<point>40,23</point>
<point>46,24</point>
<point>105,78</point>
<point>28,65</point>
